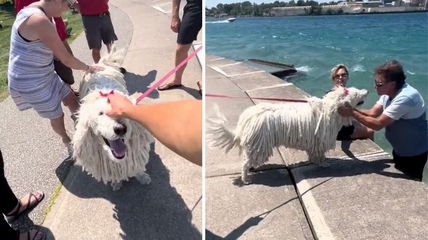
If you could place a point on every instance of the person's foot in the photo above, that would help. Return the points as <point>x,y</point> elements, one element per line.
<point>26,203</point>
<point>169,86</point>
<point>33,234</point>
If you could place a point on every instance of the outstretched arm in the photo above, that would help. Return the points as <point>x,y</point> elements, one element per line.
<point>372,118</point>
<point>177,125</point>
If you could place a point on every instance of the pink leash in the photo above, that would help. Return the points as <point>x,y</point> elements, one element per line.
<point>259,98</point>
<point>269,99</point>
<point>168,75</point>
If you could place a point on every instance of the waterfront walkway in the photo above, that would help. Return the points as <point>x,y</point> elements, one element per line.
<point>76,206</point>
<point>360,195</point>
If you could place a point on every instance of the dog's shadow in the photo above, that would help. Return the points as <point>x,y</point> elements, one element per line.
<point>139,84</point>
<point>154,211</point>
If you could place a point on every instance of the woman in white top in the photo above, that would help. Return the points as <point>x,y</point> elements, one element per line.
<point>33,83</point>
<point>339,76</point>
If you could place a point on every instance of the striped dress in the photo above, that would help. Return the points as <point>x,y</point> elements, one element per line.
<point>33,83</point>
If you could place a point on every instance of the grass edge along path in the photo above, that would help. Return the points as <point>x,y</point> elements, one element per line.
<point>7,17</point>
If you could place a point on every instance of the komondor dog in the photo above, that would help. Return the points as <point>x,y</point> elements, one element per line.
<point>111,150</point>
<point>310,127</point>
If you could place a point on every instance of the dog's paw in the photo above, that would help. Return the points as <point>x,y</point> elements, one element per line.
<point>116,186</point>
<point>144,178</point>
<point>246,180</point>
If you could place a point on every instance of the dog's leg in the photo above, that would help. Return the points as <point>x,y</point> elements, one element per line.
<point>321,160</point>
<point>143,178</point>
<point>116,186</point>
<point>246,168</point>
<point>317,158</point>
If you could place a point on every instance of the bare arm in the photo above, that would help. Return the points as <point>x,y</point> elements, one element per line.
<point>67,46</point>
<point>177,125</point>
<point>175,20</point>
<point>375,111</point>
<point>376,123</point>
<point>39,27</point>
<point>372,118</point>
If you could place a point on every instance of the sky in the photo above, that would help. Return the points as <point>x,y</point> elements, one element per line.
<point>213,3</point>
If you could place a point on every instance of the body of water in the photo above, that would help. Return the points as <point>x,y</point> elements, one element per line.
<point>314,44</point>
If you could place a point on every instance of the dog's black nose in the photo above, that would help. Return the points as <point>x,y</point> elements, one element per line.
<point>120,129</point>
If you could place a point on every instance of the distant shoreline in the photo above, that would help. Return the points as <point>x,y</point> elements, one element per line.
<point>333,14</point>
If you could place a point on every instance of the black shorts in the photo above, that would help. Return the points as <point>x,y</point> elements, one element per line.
<point>98,28</point>
<point>191,22</point>
<point>64,72</point>
<point>345,133</point>
<point>412,166</point>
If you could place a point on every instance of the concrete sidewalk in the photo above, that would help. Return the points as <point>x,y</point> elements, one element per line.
<point>359,195</point>
<point>168,208</point>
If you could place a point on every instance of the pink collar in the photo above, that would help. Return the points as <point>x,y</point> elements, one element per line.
<point>346,91</point>
<point>106,94</point>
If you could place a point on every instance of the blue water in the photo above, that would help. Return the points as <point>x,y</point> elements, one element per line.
<point>314,44</point>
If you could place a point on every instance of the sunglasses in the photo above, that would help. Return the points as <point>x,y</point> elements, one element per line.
<point>379,84</point>
<point>344,75</point>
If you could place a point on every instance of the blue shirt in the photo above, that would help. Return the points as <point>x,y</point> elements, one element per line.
<point>408,133</point>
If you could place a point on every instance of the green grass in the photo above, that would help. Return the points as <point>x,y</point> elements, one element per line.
<point>7,17</point>
<point>75,23</point>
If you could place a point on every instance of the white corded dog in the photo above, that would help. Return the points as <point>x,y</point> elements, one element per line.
<point>111,150</point>
<point>311,127</point>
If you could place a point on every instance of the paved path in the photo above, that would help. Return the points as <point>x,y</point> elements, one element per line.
<point>169,208</point>
<point>360,195</point>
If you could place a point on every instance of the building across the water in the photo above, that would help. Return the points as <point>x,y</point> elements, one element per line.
<point>356,7</point>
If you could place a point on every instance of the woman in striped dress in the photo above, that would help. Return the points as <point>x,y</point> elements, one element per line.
<point>33,83</point>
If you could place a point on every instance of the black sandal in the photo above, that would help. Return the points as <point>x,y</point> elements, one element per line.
<point>30,206</point>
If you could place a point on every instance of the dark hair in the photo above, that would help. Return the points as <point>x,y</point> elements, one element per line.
<point>392,71</point>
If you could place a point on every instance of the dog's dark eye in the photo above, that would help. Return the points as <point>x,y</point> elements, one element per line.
<point>101,113</point>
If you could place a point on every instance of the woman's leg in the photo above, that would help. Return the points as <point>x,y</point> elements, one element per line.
<point>59,127</point>
<point>71,102</point>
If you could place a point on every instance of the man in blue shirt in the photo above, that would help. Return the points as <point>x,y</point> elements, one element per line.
<point>401,111</point>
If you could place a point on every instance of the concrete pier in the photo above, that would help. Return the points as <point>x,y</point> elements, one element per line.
<point>359,195</point>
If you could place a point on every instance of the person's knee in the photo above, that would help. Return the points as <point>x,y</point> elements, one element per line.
<point>182,49</point>
<point>71,101</point>
<point>55,121</point>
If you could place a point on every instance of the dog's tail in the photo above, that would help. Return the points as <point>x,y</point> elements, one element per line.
<point>218,135</point>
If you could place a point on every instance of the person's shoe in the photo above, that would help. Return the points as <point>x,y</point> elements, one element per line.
<point>36,196</point>
<point>122,70</point>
